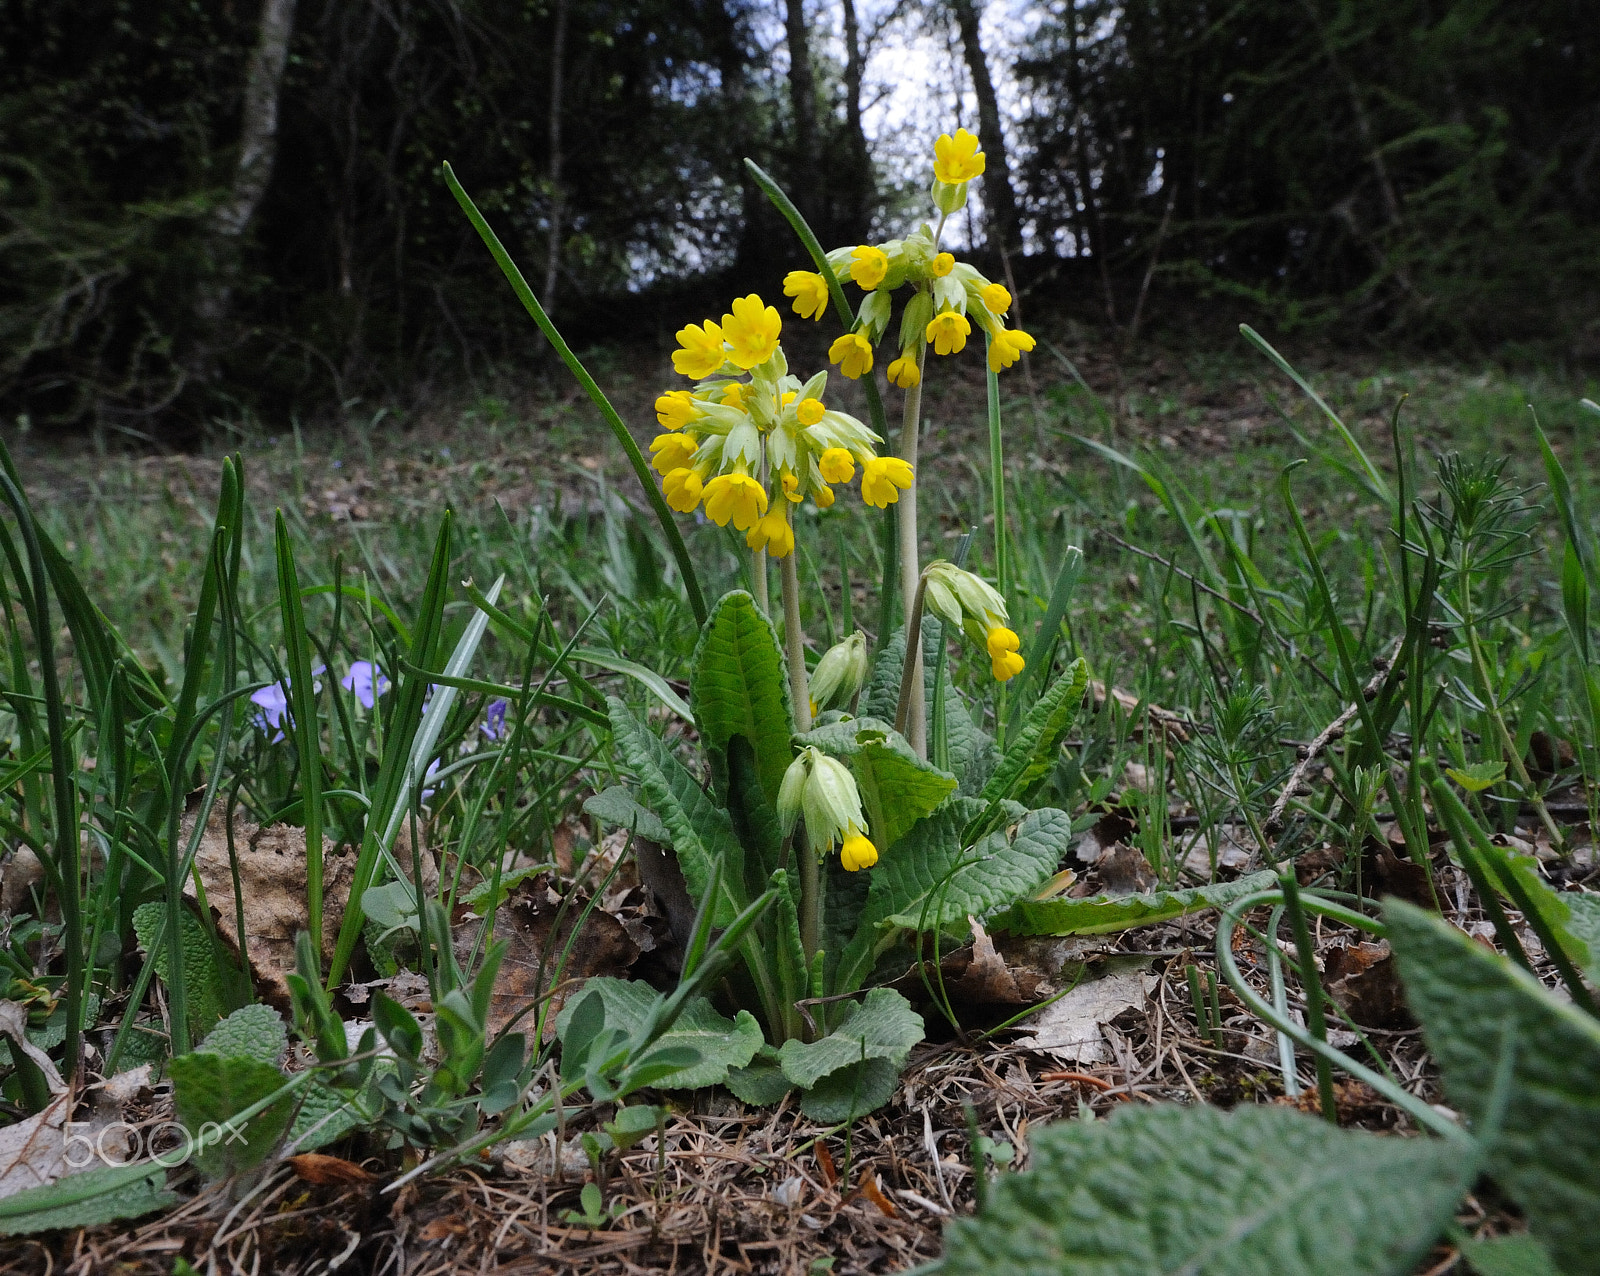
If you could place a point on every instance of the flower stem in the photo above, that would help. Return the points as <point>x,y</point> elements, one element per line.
<point>794,650</point>
<point>916,714</point>
<point>758,579</point>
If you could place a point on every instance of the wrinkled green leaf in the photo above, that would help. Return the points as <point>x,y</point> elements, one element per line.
<point>881,1026</point>
<point>1467,999</point>
<point>972,752</point>
<point>1583,924</point>
<point>852,1092</point>
<point>250,1032</point>
<point>1195,1190</point>
<point>326,1113</point>
<point>1508,1256</point>
<point>617,805</point>
<point>204,978</point>
<point>701,831</point>
<point>208,1090</point>
<point>1006,864</point>
<point>738,687</point>
<point>101,1195</point>
<point>897,787</point>
<point>719,1043</point>
<point>1033,753</point>
<point>760,1082</point>
<point>1106,914</point>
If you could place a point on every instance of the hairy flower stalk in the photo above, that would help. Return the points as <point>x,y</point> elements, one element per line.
<point>794,650</point>
<point>915,727</point>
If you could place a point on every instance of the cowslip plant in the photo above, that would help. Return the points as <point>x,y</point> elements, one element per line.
<point>821,792</point>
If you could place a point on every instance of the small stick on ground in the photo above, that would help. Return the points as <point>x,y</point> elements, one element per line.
<point>1333,731</point>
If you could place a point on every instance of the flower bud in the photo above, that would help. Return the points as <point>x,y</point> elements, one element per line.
<point>840,673</point>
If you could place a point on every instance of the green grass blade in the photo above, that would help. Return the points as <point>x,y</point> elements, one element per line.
<point>1380,487</point>
<point>35,593</point>
<point>519,285</point>
<point>406,715</point>
<point>303,718</point>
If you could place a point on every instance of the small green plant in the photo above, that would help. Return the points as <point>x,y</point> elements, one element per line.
<point>818,775</point>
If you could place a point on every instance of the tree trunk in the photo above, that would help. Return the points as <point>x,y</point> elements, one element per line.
<point>999,200</point>
<point>258,150</point>
<point>552,264</point>
<point>805,182</point>
<point>860,185</point>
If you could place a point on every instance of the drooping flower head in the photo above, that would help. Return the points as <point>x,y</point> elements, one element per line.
<point>969,603</point>
<point>822,790</point>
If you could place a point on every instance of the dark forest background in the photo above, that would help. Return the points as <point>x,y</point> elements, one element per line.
<point>227,207</point>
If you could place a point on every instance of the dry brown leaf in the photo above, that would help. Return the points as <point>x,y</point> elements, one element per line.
<point>14,1028</point>
<point>33,1152</point>
<point>327,1171</point>
<point>1069,1028</point>
<point>527,920</point>
<point>1124,870</point>
<point>272,881</point>
<point>979,975</point>
<point>1363,979</point>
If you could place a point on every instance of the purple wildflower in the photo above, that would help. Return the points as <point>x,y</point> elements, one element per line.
<point>494,719</point>
<point>272,705</point>
<point>367,681</point>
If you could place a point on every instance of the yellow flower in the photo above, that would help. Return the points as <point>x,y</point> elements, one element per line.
<point>810,293</point>
<point>957,159</point>
<point>857,853</point>
<point>809,412</point>
<point>701,354</point>
<point>1007,346</point>
<point>733,395</point>
<point>837,465</point>
<point>788,398</point>
<point>996,297</point>
<point>751,331</point>
<point>904,372</point>
<point>943,264</point>
<point>882,480</point>
<point>853,353</point>
<point>791,489</point>
<point>868,266</point>
<point>948,332</point>
<point>675,409</point>
<point>1004,660</point>
<point>772,534</point>
<point>823,497</point>
<point>682,490</point>
<point>671,452</point>
<point>735,497</point>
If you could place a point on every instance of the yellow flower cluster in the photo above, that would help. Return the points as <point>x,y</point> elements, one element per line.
<point>749,440</point>
<point>949,295</point>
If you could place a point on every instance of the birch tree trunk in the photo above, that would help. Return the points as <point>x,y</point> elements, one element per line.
<point>258,151</point>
